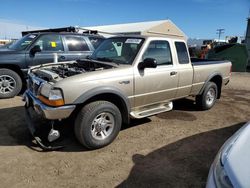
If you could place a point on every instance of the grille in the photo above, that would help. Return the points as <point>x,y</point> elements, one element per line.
<point>34,85</point>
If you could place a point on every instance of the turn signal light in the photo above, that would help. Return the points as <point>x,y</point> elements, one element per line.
<point>58,102</point>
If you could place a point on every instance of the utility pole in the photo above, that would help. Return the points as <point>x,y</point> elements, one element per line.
<point>220,32</point>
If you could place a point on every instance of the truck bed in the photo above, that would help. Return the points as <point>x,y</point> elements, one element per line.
<point>203,69</point>
<point>197,61</point>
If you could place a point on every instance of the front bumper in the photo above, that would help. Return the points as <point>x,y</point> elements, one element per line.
<point>211,180</point>
<point>47,112</point>
<point>32,128</point>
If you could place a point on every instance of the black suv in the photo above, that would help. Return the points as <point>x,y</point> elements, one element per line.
<point>39,48</point>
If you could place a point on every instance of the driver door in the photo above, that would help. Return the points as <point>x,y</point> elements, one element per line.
<point>156,85</point>
<point>49,45</point>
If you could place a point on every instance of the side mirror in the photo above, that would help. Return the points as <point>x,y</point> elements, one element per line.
<point>34,50</point>
<point>147,63</point>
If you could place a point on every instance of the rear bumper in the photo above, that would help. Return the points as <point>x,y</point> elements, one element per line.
<point>226,80</point>
<point>47,112</point>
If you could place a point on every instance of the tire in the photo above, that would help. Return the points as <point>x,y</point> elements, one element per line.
<point>91,127</point>
<point>207,99</point>
<point>10,83</point>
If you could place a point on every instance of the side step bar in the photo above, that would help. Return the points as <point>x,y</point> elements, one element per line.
<point>155,110</point>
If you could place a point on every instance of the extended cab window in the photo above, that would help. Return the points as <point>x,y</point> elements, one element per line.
<point>159,50</point>
<point>50,43</point>
<point>76,43</point>
<point>182,52</point>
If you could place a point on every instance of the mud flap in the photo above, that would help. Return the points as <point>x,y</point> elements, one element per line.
<point>32,130</point>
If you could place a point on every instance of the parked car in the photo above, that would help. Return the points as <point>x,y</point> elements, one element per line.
<point>231,165</point>
<point>39,48</point>
<point>8,44</point>
<point>126,77</point>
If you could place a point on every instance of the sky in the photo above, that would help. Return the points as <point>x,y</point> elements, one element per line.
<point>197,18</point>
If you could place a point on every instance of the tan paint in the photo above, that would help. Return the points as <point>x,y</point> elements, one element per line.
<point>146,88</point>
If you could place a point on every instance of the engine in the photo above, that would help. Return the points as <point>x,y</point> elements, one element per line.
<point>54,73</point>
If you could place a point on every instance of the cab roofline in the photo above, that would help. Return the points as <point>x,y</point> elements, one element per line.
<point>64,30</point>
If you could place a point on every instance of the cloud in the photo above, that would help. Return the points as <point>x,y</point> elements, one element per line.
<point>10,29</point>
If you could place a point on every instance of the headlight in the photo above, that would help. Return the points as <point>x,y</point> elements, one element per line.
<point>220,175</point>
<point>45,89</point>
<point>55,94</point>
<point>55,98</point>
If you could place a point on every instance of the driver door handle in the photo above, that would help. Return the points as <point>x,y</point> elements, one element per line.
<point>173,73</point>
<point>62,57</point>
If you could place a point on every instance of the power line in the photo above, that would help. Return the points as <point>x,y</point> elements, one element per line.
<point>220,32</point>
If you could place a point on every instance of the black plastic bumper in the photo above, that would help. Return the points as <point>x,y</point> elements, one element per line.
<point>32,129</point>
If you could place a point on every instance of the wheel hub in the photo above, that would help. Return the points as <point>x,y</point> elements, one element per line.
<point>102,126</point>
<point>7,84</point>
<point>210,96</point>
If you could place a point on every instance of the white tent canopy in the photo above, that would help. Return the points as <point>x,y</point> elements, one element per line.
<point>152,28</point>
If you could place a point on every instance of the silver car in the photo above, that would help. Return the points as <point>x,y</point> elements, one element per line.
<point>231,166</point>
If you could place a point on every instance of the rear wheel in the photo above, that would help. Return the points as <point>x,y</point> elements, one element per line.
<point>97,124</point>
<point>208,97</point>
<point>10,83</point>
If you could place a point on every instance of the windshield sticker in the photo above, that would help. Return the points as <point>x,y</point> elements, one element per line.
<point>133,41</point>
<point>25,43</point>
<point>53,44</point>
<point>32,36</point>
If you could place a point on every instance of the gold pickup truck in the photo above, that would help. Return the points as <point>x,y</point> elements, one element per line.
<point>126,77</point>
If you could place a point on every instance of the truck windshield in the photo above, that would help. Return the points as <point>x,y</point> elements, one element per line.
<point>22,43</point>
<point>120,50</point>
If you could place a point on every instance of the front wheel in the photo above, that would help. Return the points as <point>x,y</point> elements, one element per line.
<point>97,124</point>
<point>10,83</point>
<point>208,97</point>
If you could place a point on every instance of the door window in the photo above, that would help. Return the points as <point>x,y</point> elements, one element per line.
<point>50,43</point>
<point>159,50</point>
<point>75,43</point>
<point>182,52</point>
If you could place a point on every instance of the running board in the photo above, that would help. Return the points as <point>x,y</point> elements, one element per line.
<point>149,112</point>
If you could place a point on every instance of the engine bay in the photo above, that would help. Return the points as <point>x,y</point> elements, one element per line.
<point>56,72</point>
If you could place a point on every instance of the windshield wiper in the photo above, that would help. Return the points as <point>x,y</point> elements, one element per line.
<point>88,57</point>
<point>108,60</point>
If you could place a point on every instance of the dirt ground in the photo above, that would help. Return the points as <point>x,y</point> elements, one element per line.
<point>173,149</point>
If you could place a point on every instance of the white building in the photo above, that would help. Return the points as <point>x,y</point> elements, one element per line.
<point>152,28</point>
<point>5,41</point>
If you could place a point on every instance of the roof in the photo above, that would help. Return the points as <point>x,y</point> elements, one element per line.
<point>67,33</point>
<point>160,28</point>
<point>62,30</point>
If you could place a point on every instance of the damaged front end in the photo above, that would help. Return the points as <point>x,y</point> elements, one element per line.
<point>46,100</point>
<point>47,112</point>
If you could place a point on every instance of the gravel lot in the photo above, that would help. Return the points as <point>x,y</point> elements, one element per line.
<point>173,149</point>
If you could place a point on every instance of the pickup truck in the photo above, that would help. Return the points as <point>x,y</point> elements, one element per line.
<point>40,48</point>
<point>126,77</point>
